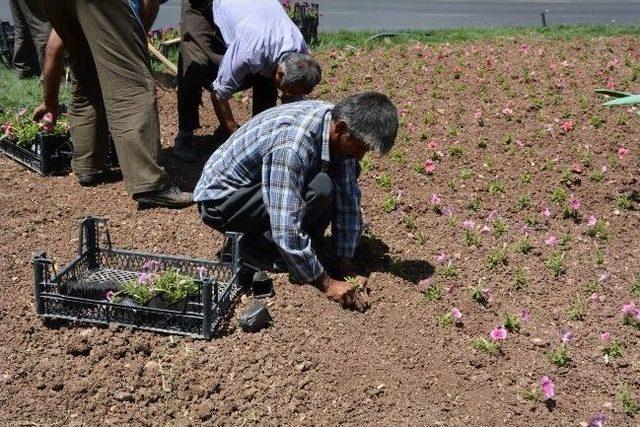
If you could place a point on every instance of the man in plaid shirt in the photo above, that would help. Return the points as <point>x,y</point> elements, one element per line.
<point>288,172</point>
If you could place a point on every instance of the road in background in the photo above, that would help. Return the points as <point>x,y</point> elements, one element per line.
<point>427,14</point>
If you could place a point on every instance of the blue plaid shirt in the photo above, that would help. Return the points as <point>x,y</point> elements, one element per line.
<point>283,148</point>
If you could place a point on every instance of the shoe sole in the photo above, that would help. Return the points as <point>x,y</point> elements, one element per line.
<point>143,205</point>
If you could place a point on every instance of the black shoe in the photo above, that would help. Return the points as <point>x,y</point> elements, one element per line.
<point>101,177</point>
<point>185,149</point>
<point>168,197</point>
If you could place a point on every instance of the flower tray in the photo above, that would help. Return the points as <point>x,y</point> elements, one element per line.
<point>98,262</point>
<point>49,154</point>
<point>6,43</point>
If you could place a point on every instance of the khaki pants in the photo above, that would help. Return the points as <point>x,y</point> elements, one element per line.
<point>113,89</point>
<point>32,31</point>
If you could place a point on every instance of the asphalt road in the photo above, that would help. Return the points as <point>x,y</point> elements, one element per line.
<point>426,14</point>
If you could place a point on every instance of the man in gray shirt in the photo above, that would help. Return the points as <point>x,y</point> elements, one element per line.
<point>264,51</point>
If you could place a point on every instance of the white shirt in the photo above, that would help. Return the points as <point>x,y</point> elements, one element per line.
<point>257,33</point>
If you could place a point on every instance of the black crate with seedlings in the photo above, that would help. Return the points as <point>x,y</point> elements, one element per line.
<point>155,292</point>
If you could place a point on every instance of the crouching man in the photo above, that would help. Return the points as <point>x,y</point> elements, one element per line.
<point>289,172</point>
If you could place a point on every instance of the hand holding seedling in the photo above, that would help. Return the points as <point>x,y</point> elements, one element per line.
<point>344,292</point>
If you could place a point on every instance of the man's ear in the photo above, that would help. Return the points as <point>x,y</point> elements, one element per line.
<point>280,72</point>
<point>341,127</point>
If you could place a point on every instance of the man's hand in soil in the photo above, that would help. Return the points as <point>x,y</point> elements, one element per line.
<point>348,295</point>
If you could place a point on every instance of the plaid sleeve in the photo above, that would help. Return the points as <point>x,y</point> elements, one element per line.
<point>347,219</point>
<point>283,175</point>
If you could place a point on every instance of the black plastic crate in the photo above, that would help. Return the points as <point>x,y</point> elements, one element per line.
<point>50,154</point>
<point>98,261</point>
<point>6,43</point>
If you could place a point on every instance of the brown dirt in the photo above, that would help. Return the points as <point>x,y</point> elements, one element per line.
<point>394,365</point>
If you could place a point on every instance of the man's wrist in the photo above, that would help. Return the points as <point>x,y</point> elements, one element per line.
<point>320,281</point>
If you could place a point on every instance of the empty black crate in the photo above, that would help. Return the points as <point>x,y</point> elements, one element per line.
<point>97,262</point>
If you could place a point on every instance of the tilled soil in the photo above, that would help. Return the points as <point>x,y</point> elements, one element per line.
<point>395,364</point>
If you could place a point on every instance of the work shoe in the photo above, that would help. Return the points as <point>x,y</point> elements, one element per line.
<point>170,196</point>
<point>100,177</point>
<point>185,149</point>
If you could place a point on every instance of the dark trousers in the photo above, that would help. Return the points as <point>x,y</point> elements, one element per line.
<point>201,51</point>
<point>32,31</point>
<point>244,212</point>
<point>113,90</point>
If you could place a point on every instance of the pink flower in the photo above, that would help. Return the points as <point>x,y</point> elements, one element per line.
<point>524,315</point>
<point>547,387</point>
<point>622,153</point>
<point>519,143</point>
<point>47,118</point>
<point>605,337</point>
<point>152,266</point>
<point>492,215</point>
<point>546,212</point>
<point>593,297</point>
<point>8,130</point>
<point>478,115</point>
<point>432,145</point>
<point>576,168</point>
<point>567,125</point>
<point>485,294</point>
<point>551,241</point>
<point>442,258</point>
<point>468,224</point>
<point>629,309</point>
<point>22,112</point>
<point>46,127</point>
<point>447,211</point>
<point>429,166</point>
<point>110,296</point>
<point>498,334</point>
<point>592,221</point>
<point>201,271</point>
<point>435,200</point>
<point>567,337</point>
<point>457,314</point>
<point>145,279</point>
<point>424,284</point>
<point>524,49</point>
<point>575,204</point>
<point>485,229</point>
<point>598,420</point>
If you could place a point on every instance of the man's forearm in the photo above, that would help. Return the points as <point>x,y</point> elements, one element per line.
<point>148,12</point>
<point>53,69</point>
<point>224,113</point>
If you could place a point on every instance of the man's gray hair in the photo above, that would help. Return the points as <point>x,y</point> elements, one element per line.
<point>300,70</point>
<point>371,117</point>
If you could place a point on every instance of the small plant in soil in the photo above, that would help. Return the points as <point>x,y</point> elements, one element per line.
<point>433,292</point>
<point>449,271</point>
<point>465,174</point>
<point>596,121</point>
<point>523,245</point>
<point>475,204</point>
<point>520,280</point>
<point>471,238</point>
<point>456,150</point>
<point>558,195</point>
<point>555,263</point>
<point>596,176</point>
<point>366,164</point>
<point>384,181</point>
<point>524,202</point>
<point>496,187</point>
<point>409,221</point>
<point>560,356</point>
<point>355,284</point>
<point>496,258</point>
<point>624,202</point>
<point>421,238</point>
<point>599,230</point>
<point>526,177</point>
<point>512,322</point>
<point>389,204</point>
<point>500,227</point>
<point>577,310</point>
<point>629,405</point>
<point>484,345</point>
<point>599,257</point>
<point>480,295</point>
<point>612,349</point>
<point>635,286</point>
<point>545,388</point>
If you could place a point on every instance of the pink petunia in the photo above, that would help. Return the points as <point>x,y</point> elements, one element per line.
<point>457,314</point>
<point>605,337</point>
<point>47,118</point>
<point>507,112</point>
<point>424,284</point>
<point>432,145</point>
<point>485,294</point>
<point>429,166</point>
<point>567,125</point>
<point>498,334</point>
<point>442,257</point>
<point>576,168</point>
<point>447,211</point>
<point>468,224</point>
<point>485,229</point>
<point>623,153</point>
<point>546,212</point>
<point>547,387</point>
<point>435,200</point>
<point>478,116</point>
<point>629,309</point>
<point>551,241</point>
<point>593,297</point>
<point>144,278</point>
<point>592,221</point>
<point>22,112</point>
<point>524,315</point>
<point>575,204</point>
<point>567,337</point>
<point>110,296</point>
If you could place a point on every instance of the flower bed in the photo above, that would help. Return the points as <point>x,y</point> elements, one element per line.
<point>155,292</point>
